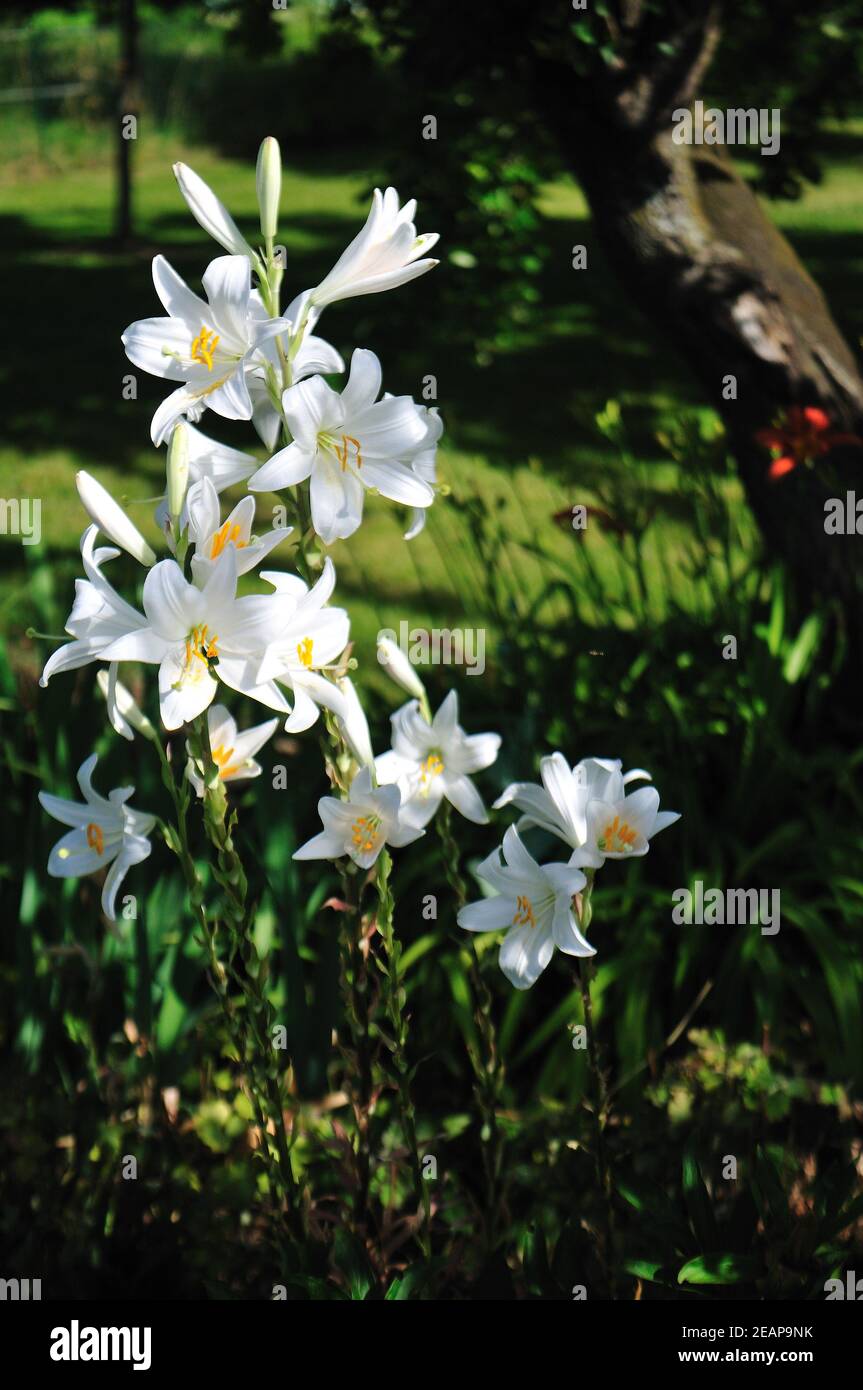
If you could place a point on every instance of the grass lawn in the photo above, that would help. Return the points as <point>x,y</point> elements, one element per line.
<point>519,433</point>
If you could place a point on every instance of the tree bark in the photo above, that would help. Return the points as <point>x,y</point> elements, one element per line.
<point>127,105</point>
<point>696,251</point>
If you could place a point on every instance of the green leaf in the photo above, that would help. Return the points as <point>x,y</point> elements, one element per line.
<point>719,1269</point>
<point>351,1259</point>
<point>536,1266</point>
<point>800,657</point>
<point>697,1201</point>
<point>414,1281</point>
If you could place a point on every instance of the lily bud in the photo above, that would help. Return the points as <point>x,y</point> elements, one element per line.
<point>123,713</point>
<point>353,726</point>
<point>110,517</point>
<point>210,213</point>
<point>178,471</point>
<point>399,668</point>
<point>269,185</point>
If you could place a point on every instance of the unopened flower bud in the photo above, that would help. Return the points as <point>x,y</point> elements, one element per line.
<point>354,727</point>
<point>399,668</point>
<point>123,713</point>
<point>269,185</point>
<point>110,517</point>
<point>178,471</point>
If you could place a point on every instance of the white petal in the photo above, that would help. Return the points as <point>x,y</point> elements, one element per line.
<point>364,383</point>
<point>285,469</point>
<point>227,281</point>
<point>489,914</point>
<point>463,795</point>
<point>173,605</point>
<point>209,212</point>
<point>524,954</point>
<point>398,483</point>
<point>178,301</point>
<point>323,846</point>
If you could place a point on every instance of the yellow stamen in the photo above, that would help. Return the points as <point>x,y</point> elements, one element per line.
<point>524,916</point>
<point>304,651</point>
<point>95,838</point>
<point>343,451</point>
<point>200,646</point>
<point>430,768</point>
<point>223,537</point>
<point>222,758</point>
<point>204,346</point>
<point>208,390</point>
<point>614,831</point>
<point>364,832</point>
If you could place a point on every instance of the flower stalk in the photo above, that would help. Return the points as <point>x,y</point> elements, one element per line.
<point>487,1066</point>
<point>585,971</point>
<point>251,1031</point>
<point>396,1044</point>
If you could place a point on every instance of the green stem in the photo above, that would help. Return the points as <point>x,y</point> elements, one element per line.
<point>355,988</point>
<point>488,1069</point>
<point>253,1034</point>
<point>398,1043</point>
<point>600,1116</point>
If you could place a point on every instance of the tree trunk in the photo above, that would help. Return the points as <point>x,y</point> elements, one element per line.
<point>697,253</point>
<point>127,105</point>
<point>692,244</point>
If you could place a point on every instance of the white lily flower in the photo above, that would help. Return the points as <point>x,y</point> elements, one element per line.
<point>233,752</point>
<point>99,615</point>
<point>384,254</point>
<point>431,761</point>
<point>124,714</point>
<point>208,346</point>
<point>346,442</point>
<point>361,826</point>
<point>206,459</point>
<point>104,832</point>
<point>353,725</point>
<point>110,517</point>
<point>312,357</point>
<point>563,806</point>
<point>210,534</point>
<point>623,829</point>
<point>398,667</point>
<point>222,465</point>
<point>535,902</point>
<point>210,213</point>
<point>310,637</point>
<point>200,636</point>
<point>424,464</point>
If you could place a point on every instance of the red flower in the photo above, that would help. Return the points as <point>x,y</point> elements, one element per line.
<point>803,434</point>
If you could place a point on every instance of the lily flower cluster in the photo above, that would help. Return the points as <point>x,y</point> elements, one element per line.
<point>588,808</point>
<point>393,797</point>
<point>234,353</point>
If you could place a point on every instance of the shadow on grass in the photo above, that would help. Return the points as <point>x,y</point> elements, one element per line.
<point>579,345</point>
